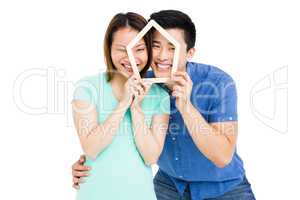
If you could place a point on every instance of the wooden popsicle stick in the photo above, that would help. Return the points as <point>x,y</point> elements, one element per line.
<point>156,80</point>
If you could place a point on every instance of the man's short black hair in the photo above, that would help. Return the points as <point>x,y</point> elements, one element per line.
<point>177,19</point>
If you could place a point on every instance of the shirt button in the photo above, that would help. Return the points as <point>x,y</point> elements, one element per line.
<point>173,138</point>
<point>176,158</point>
<point>180,176</point>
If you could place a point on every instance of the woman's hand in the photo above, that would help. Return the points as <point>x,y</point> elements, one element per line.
<point>135,91</point>
<point>129,91</point>
<point>141,89</point>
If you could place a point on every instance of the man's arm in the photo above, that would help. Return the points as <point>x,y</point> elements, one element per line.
<point>216,140</point>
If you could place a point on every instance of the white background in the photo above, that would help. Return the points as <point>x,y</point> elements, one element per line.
<point>254,41</point>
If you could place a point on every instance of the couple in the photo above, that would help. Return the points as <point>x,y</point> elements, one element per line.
<point>187,126</point>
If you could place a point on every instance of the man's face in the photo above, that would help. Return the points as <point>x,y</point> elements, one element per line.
<point>163,52</point>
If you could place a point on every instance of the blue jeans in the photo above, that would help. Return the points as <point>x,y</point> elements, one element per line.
<point>166,190</point>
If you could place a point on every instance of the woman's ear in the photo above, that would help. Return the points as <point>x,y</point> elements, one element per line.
<point>191,53</point>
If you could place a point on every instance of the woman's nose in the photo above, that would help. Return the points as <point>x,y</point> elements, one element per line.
<point>127,60</point>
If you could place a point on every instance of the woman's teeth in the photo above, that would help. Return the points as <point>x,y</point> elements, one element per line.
<point>127,66</point>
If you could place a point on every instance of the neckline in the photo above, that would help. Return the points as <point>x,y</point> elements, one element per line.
<point>111,92</point>
<point>113,97</point>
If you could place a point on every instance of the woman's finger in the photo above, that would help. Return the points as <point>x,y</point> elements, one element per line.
<point>134,91</point>
<point>141,89</point>
<point>138,88</point>
<point>146,85</point>
<point>133,78</point>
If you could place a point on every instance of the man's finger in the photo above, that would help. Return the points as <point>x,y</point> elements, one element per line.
<point>188,78</point>
<point>76,180</point>
<point>81,168</point>
<point>177,94</point>
<point>82,159</point>
<point>181,74</point>
<point>81,180</point>
<point>79,174</point>
<point>178,88</point>
<point>185,76</point>
<point>179,80</point>
<point>76,186</point>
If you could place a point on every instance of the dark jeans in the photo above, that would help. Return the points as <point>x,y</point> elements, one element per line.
<point>166,190</point>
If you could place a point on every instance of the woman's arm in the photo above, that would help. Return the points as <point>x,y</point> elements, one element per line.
<point>94,137</point>
<point>149,140</point>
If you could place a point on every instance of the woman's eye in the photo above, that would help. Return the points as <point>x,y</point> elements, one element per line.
<point>141,49</point>
<point>155,46</point>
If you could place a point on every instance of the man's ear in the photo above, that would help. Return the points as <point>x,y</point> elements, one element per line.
<point>191,53</point>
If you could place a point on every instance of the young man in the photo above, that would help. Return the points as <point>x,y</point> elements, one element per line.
<point>199,159</point>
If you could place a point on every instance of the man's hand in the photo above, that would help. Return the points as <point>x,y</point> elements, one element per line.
<point>79,170</point>
<point>182,89</point>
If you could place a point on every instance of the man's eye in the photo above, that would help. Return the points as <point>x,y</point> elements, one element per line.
<point>155,46</point>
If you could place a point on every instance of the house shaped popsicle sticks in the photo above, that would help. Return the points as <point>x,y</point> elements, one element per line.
<point>139,36</point>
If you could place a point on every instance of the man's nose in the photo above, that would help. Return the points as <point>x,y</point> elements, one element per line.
<point>163,55</point>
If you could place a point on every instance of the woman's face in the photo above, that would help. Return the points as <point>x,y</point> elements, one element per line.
<point>121,39</point>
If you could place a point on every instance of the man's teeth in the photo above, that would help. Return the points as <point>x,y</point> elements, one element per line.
<point>163,66</point>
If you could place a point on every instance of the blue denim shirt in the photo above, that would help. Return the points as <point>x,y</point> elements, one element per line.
<point>214,96</point>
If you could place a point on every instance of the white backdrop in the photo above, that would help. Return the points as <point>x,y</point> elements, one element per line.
<point>47,45</point>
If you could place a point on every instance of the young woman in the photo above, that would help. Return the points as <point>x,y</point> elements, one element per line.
<point>120,120</point>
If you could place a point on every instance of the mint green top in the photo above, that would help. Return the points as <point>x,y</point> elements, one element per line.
<point>119,172</point>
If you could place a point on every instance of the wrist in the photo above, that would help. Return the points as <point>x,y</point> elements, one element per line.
<point>135,105</point>
<point>187,108</point>
<point>136,108</point>
<point>123,105</point>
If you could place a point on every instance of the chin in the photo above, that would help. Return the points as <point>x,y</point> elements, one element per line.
<point>162,74</point>
<point>125,74</point>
